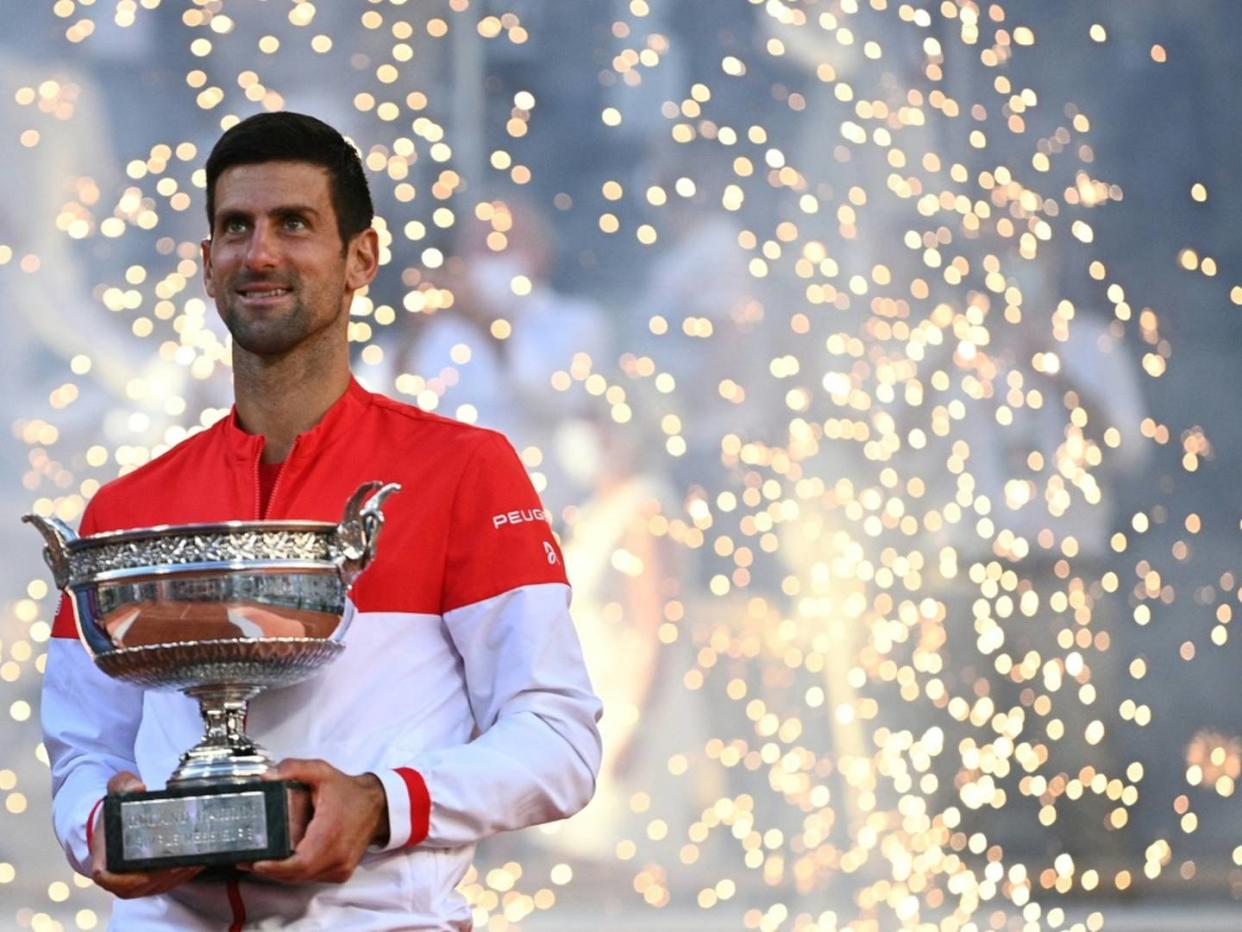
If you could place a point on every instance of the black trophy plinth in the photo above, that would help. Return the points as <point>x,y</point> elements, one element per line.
<point>213,825</point>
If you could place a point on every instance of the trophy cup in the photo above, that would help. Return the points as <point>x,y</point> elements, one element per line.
<point>219,612</point>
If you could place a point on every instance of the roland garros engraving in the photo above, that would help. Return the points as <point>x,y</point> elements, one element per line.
<point>193,825</point>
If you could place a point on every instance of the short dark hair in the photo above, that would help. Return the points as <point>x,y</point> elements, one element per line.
<point>296,137</point>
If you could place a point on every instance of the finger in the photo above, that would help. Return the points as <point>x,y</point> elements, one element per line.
<point>293,869</point>
<point>152,887</point>
<point>125,782</point>
<point>325,871</point>
<point>123,885</point>
<point>143,883</point>
<point>313,855</point>
<point>110,881</point>
<point>296,768</point>
<point>280,871</point>
<point>307,860</point>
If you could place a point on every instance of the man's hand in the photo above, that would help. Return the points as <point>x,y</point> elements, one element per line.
<point>348,814</point>
<point>128,886</point>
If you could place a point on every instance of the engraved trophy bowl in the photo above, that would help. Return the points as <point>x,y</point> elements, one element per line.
<point>220,612</point>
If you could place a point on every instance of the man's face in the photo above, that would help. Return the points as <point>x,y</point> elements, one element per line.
<point>275,263</point>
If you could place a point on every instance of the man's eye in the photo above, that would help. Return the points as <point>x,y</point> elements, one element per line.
<point>234,226</point>
<point>295,223</point>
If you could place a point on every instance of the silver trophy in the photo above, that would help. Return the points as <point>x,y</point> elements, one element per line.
<point>219,612</point>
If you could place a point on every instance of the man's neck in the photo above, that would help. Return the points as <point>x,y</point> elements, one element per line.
<point>286,396</point>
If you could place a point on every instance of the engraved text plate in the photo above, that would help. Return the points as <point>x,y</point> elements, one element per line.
<point>205,826</point>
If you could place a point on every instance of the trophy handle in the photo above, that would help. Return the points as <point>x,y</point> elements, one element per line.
<point>58,535</point>
<point>356,536</point>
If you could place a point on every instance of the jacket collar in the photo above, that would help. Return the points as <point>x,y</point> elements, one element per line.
<point>352,403</point>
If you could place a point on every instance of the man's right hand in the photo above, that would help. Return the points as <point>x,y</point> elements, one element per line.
<point>128,886</point>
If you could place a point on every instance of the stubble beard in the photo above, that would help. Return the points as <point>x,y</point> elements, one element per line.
<point>273,335</point>
<point>267,336</point>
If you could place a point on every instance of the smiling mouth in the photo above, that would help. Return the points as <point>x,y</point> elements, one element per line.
<point>265,293</point>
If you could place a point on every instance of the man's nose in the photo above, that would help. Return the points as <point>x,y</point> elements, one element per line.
<point>261,251</point>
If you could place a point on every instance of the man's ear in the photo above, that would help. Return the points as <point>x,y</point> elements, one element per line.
<point>362,259</point>
<point>207,283</point>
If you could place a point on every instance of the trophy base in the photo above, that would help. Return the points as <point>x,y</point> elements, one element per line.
<point>212,825</point>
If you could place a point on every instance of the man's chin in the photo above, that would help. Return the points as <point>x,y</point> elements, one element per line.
<point>265,341</point>
<point>271,350</point>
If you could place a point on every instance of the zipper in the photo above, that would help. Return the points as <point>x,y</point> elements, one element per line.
<point>280,477</point>
<point>258,487</point>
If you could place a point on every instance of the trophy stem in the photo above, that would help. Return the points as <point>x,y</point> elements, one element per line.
<point>225,753</point>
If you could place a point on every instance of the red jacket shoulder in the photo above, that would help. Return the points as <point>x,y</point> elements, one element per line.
<point>446,437</point>
<point>141,498</point>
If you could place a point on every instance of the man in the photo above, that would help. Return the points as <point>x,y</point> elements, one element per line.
<point>460,707</point>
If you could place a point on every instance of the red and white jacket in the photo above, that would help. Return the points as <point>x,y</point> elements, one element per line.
<point>462,685</point>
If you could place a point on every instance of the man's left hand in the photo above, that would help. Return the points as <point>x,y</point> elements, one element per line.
<point>349,813</point>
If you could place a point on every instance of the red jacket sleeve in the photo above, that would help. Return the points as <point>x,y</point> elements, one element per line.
<point>499,537</point>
